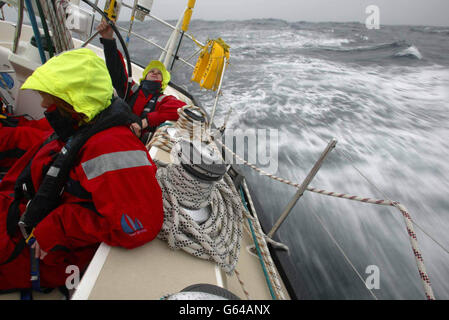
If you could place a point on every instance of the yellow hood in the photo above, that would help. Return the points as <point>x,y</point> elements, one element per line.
<point>158,65</point>
<point>79,77</point>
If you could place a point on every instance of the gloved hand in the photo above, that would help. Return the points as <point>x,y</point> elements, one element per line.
<point>105,30</point>
<point>38,252</point>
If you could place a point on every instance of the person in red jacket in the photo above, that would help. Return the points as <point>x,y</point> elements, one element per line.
<point>17,135</point>
<point>91,180</point>
<point>146,99</point>
<point>14,142</point>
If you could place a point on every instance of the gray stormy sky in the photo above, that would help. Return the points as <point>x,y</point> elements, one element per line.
<point>406,12</point>
<point>410,12</point>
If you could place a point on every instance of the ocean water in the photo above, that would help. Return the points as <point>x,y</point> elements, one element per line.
<point>384,95</point>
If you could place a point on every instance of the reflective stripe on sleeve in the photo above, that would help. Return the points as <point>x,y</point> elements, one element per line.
<point>114,161</point>
<point>135,87</point>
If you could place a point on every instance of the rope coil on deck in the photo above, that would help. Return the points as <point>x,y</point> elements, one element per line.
<point>216,239</point>
<point>186,128</point>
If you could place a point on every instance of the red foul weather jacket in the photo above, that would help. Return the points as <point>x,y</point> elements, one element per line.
<point>111,196</point>
<point>17,135</point>
<point>166,107</point>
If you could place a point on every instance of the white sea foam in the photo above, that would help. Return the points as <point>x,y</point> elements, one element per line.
<point>411,51</point>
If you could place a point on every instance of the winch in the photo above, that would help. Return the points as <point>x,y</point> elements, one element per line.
<point>201,160</point>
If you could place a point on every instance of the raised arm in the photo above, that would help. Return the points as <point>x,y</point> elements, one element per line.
<point>114,58</point>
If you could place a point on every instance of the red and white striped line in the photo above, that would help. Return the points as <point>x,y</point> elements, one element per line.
<point>410,230</point>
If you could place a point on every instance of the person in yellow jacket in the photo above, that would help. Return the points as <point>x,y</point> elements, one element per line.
<point>147,99</point>
<point>89,181</point>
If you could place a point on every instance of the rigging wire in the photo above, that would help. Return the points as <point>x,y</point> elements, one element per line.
<point>344,254</point>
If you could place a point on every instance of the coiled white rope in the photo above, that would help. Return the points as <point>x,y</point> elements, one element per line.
<point>185,127</point>
<point>216,239</point>
<point>197,196</point>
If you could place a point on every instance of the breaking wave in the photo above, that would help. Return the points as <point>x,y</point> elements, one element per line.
<point>410,52</point>
<point>382,46</point>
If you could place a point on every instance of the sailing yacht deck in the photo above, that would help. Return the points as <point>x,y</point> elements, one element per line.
<point>152,270</point>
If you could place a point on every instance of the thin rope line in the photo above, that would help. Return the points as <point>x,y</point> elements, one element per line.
<point>433,239</point>
<point>344,255</point>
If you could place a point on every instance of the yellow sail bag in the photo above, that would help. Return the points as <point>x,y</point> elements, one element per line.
<point>209,67</point>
